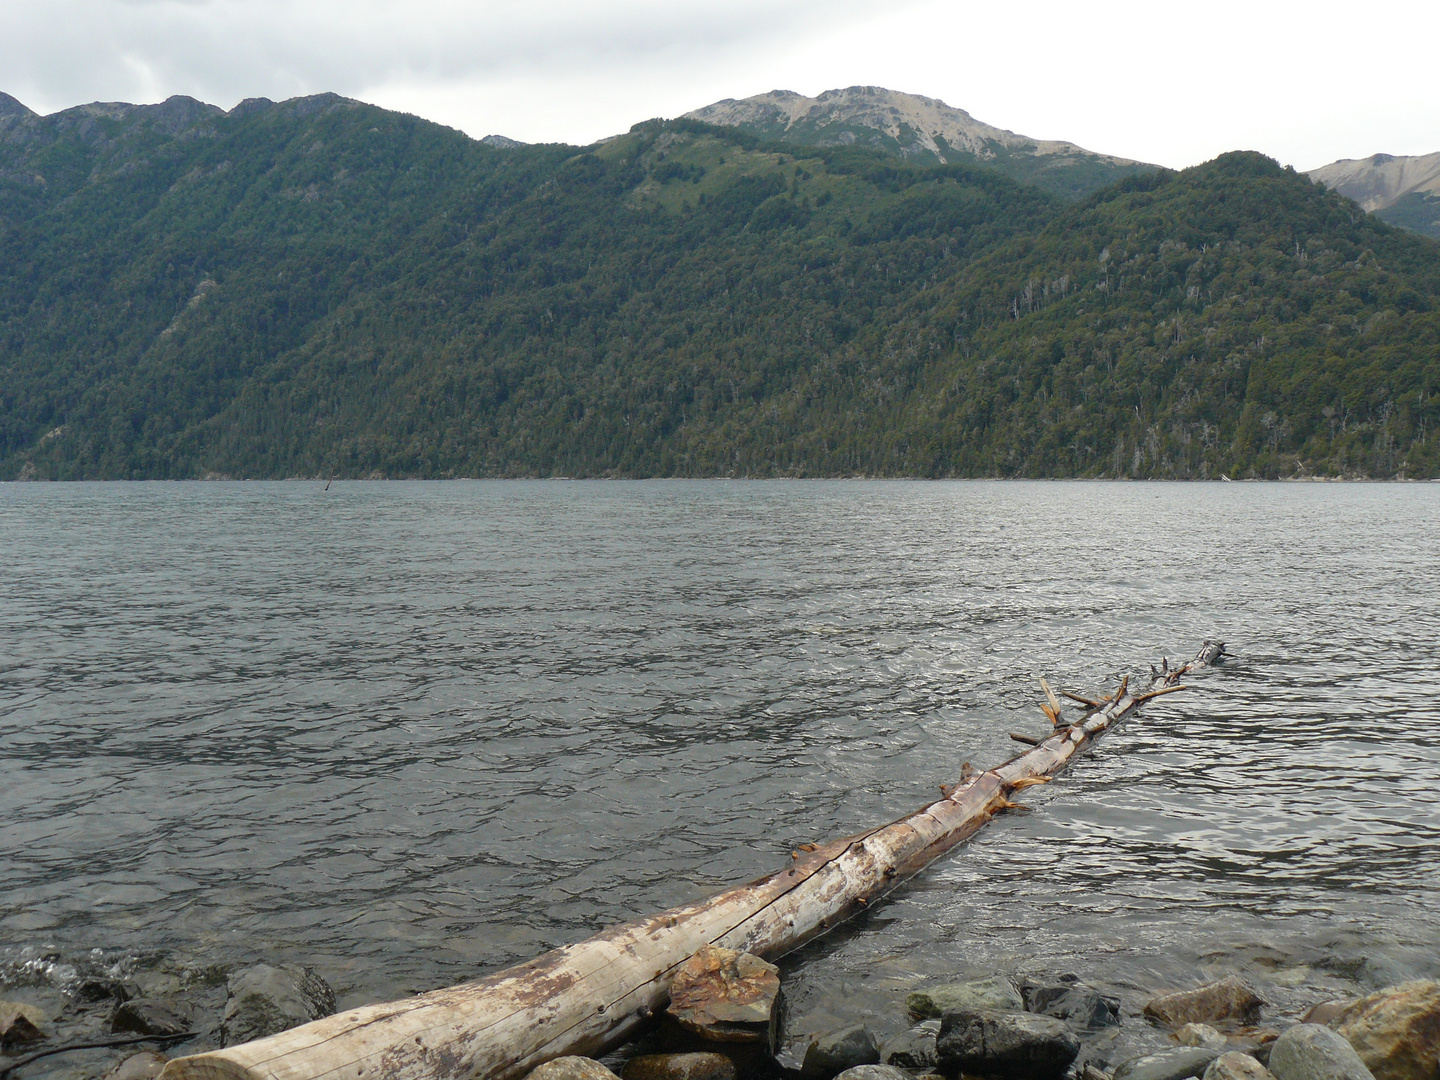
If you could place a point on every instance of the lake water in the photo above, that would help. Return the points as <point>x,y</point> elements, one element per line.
<point>409,733</point>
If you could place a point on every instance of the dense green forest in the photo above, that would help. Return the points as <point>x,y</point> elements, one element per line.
<point>321,287</point>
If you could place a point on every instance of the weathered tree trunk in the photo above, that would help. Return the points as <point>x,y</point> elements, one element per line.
<point>596,994</point>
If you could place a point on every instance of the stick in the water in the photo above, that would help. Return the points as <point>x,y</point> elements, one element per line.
<point>589,997</point>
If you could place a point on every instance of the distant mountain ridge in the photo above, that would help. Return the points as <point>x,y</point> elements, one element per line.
<point>1403,191</point>
<point>919,129</point>
<point>320,287</point>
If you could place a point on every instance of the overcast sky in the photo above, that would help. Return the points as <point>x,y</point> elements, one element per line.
<point>1167,82</point>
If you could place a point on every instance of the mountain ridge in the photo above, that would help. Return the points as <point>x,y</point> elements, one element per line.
<point>323,287</point>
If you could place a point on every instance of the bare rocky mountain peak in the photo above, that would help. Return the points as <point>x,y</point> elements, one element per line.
<point>1399,190</point>
<point>1381,180</point>
<point>919,126</point>
<point>10,106</point>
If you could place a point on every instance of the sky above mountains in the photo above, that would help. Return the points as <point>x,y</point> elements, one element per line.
<point>1173,84</point>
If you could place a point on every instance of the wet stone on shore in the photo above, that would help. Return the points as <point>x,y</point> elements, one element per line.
<point>1234,1065</point>
<point>142,1066</point>
<point>694,1066</point>
<point>1021,1045</point>
<point>1396,1031</point>
<point>20,1023</point>
<point>1071,1000</point>
<point>146,1016</point>
<point>997,993</point>
<point>1229,1002</point>
<point>836,1051</point>
<point>1175,1064</point>
<point>571,1068</point>
<point>874,1072</point>
<point>913,1048</point>
<point>1312,1052</point>
<point>270,998</point>
<point>721,995</point>
<point>1202,1035</point>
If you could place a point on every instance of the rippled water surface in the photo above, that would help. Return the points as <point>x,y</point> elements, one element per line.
<point>407,733</point>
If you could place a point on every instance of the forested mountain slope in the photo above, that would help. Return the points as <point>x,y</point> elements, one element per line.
<point>321,287</point>
<point>1230,318</point>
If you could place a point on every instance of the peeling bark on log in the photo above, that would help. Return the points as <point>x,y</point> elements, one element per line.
<point>594,995</point>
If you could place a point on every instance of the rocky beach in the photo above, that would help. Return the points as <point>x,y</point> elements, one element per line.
<point>729,1020</point>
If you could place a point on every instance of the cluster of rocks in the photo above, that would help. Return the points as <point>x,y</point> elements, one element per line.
<point>727,1013</point>
<point>1045,1030</point>
<point>259,1001</point>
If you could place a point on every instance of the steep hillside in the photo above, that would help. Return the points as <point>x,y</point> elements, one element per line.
<point>1404,191</point>
<point>1230,319</point>
<point>321,287</point>
<point>918,129</point>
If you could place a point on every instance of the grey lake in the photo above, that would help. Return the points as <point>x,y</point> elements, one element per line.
<point>410,733</point>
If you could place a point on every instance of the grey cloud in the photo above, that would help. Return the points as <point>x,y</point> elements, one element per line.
<point>65,52</point>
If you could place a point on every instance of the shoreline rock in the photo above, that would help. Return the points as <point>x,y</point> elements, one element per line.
<point>21,1023</point>
<point>1396,1031</point>
<point>269,998</point>
<point>997,993</point>
<point>1312,1052</point>
<point>838,1051</point>
<point>1017,1045</point>
<point>913,1048</point>
<point>722,995</point>
<point>1177,1064</point>
<point>693,1066</point>
<point>1234,1065</point>
<point>1230,1002</point>
<point>152,1016</point>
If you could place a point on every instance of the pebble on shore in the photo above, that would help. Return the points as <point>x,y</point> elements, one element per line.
<point>571,1067</point>
<point>1201,1035</point>
<point>145,1065</point>
<point>20,1023</point>
<point>1234,1065</point>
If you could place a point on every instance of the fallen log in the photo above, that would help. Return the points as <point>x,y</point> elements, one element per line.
<point>589,997</point>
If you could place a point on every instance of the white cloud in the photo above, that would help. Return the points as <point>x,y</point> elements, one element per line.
<point>1174,84</point>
